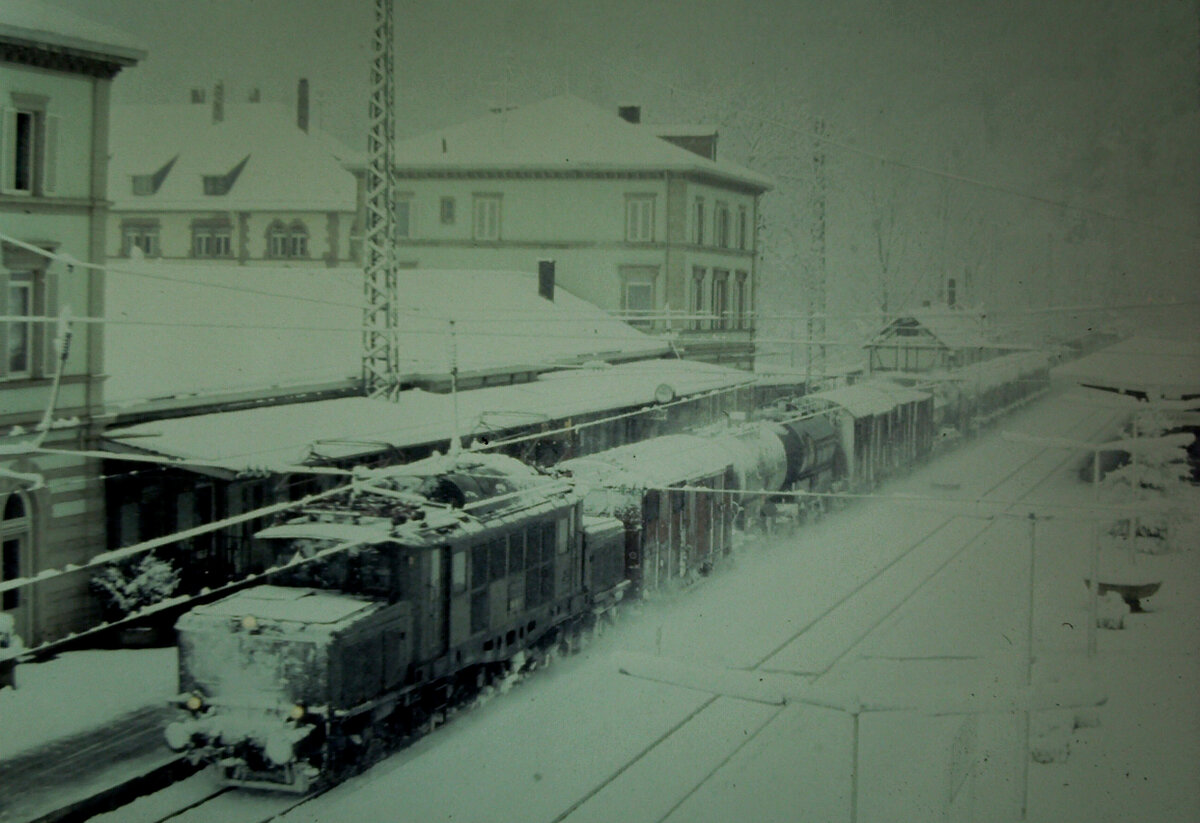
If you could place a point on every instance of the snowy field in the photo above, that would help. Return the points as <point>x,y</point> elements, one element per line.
<point>583,742</point>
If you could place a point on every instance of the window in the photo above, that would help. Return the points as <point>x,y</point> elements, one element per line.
<point>720,298</point>
<point>287,241</point>
<point>458,571</point>
<point>698,306</point>
<point>721,226</point>
<point>211,241</point>
<point>143,236</point>
<point>26,291</point>
<point>14,537</point>
<point>29,141</point>
<point>447,211</point>
<point>639,218</point>
<point>19,354</point>
<point>741,307</point>
<point>637,294</point>
<point>741,227</point>
<point>951,292</point>
<point>486,224</point>
<point>698,222</point>
<point>402,217</point>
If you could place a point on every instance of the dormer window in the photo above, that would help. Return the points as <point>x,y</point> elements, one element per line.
<point>147,184</point>
<point>219,184</point>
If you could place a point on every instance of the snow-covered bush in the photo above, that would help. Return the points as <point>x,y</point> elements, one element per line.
<point>131,585</point>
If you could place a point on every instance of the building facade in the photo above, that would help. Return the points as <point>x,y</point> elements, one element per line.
<point>637,222</point>
<point>245,183</point>
<point>56,74</point>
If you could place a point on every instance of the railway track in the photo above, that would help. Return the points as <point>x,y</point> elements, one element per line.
<point>235,807</point>
<point>866,591</point>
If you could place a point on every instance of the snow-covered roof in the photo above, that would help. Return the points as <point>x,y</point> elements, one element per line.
<point>660,461</point>
<point>286,168</point>
<point>352,426</point>
<point>560,133</point>
<point>954,330</point>
<point>1160,367</point>
<point>41,23</point>
<point>216,330</point>
<point>869,399</point>
<point>288,605</point>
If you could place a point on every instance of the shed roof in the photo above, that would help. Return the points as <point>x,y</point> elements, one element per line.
<point>560,133</point>
<point>286,168</point>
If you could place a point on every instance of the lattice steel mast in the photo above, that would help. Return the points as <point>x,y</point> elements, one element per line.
<point>381,347</point>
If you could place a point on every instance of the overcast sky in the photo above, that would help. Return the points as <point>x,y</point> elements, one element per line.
<point>1088,102</point>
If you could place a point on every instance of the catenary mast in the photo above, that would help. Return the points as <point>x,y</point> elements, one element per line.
<point>381,348</point>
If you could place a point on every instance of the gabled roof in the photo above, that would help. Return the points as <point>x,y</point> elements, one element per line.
<point>954,330</point>
<point>40,23</point>
<point>286,169</point>
<point>558,134</point>
<point>206,331</point>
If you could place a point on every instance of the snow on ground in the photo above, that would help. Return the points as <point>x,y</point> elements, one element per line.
<point>562,741</point>
<point>81,690</point>
<point>582,742</point>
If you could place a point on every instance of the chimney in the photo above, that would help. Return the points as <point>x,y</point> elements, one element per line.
<point>218,102</point>
<point>630,114</point>
<point>546,279</point>
<point>302,105</point>
<point>198,95</point>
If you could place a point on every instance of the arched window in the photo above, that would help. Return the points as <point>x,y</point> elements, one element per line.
<point>277,240</point>
<point>287,241</point>
<point>297,240</point>
<point>14,540</point>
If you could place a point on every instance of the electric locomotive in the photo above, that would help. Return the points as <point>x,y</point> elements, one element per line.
<point>386,606</point>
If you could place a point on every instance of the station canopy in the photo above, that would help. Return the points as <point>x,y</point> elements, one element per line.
<point>351,427</point>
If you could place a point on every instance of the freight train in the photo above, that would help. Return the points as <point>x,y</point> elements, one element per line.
<point>390,604</point>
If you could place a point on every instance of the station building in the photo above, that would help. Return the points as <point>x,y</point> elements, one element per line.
<point>56,76</point>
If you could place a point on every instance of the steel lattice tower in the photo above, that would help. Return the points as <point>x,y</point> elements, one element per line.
<point>381,348</point>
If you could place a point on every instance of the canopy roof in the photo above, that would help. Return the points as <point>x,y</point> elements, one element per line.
<point>1151,366</point>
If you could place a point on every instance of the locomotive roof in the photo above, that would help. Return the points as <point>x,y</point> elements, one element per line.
<point>285,604</point>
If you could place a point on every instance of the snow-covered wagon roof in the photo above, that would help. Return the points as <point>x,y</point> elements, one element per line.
<point>202,332</point>
<point>660,461</point>
<point>560,133</point>
<point>1157,367</point>
<point>270,163</point>
<point>353,426</point>
<point>868,400</point>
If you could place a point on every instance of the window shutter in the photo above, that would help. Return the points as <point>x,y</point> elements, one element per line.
<point>3,324</point>
<point>49,306</point>
<point>50,155</point>
<point>8,153</point>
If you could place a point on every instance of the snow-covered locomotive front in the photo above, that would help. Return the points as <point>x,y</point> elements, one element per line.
<point>264,670</point>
